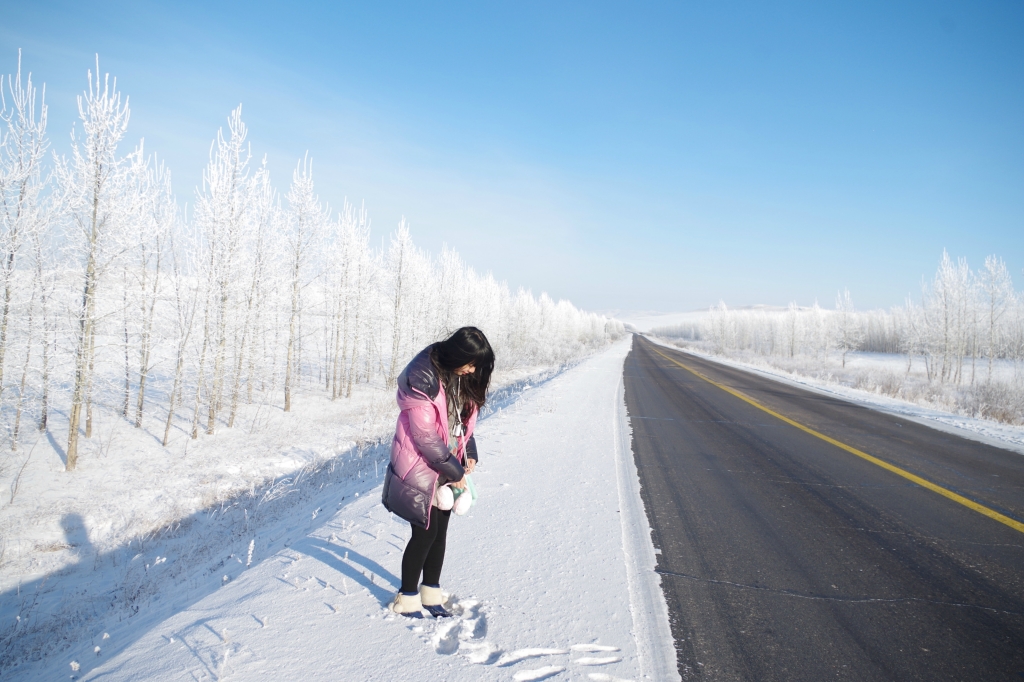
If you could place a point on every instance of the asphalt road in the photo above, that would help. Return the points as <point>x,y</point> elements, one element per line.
<point>785,557</point>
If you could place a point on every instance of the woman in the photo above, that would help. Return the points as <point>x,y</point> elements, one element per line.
<point>440,394</point>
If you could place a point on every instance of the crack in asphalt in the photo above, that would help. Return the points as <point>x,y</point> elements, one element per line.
<point>821,597</point>
<point>925,538</point>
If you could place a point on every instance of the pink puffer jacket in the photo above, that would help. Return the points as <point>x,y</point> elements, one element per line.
<point>420,452</point>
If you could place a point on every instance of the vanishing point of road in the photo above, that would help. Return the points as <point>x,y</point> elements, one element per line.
<point>803,537</point>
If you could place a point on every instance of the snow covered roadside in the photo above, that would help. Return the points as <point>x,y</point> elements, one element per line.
<point>540,576</point>
<point>137,522</point>
<point>985,431</point>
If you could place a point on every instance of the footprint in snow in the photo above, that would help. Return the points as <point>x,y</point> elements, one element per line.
<point>604,677</point>
<point>596,660</point>
<point>538,673</point>
<point>593,648</point>
<point>446,637</point>
<point>481,653</point>
<point>463,633</point>
<point>522,654</point>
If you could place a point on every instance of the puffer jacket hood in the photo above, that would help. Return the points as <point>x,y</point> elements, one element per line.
<point>420,452</point>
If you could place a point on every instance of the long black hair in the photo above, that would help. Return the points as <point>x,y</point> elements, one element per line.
<point>467,346</point>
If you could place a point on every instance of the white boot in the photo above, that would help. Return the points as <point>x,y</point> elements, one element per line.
<point>444,498</point>
<point>407,605</point>
<point>433,601</point>
<point>431,596</point>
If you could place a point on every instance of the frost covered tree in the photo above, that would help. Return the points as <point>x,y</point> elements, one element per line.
<point>449,290</point>
<point>229,302</point>
<point>849,332</point>
<point>961,315</point>
<point>23,216</point>
<point>307,220</point>
<point>91,185</point>
<point>996,287</point>
<point>792,327</point>
<point>399,265</point>
<point>154,219</point>
<point>41,291</point>
<point>363,274</point>
<point>46,277</point>
<point>221,215</point>
<point>947,309</point>
<point>345,283</point>
<point>183,248</point>
<point>264,217</point>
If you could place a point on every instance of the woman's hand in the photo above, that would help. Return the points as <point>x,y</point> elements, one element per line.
<point>470,465</point>
<point>461,485</point>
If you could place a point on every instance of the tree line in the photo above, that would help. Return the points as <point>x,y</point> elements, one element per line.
<point>964,322</point>
<point>114,297</point>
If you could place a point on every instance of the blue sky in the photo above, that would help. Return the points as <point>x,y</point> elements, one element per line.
<point>655,156</point>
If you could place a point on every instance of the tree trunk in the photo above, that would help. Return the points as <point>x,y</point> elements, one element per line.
<point>178,368</point>
<point>202,362</point>
<point>127,361</point>
<point>147,336</point>
<point>8,274</point>
<point>292,321</point>
<point>44,408</point>
<point>24,370</point>
<point>340,345</point>
<point>89,384</point>
<point>199,389</point>
<point>82,363</point>
<point>251,373</point>
<point>218,359</point>
<point>241,352</point>
<point>396,329</point>
<point>350,373</point>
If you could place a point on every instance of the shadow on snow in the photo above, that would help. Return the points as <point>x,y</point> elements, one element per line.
<point>63,614</point>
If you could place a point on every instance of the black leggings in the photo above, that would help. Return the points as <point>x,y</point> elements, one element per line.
<point>425,552</point>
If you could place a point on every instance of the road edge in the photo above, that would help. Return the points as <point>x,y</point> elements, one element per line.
<point>656,649</point>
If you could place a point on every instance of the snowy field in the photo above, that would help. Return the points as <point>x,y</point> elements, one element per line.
<point>864,380</point>
<point>551,574</point>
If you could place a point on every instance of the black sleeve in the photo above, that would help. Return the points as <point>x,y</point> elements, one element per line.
<point>471,448</point>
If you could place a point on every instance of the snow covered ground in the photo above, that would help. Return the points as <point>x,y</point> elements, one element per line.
<point>76,549</point>
<point>551,574</point>
<point>1005,436</point>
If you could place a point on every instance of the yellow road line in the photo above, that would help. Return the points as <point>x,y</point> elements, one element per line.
<point>970,504</point>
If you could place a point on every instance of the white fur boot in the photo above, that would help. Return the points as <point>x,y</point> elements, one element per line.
<point>443,498</point>
<point>407,605</point>
<point>433,601</point>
